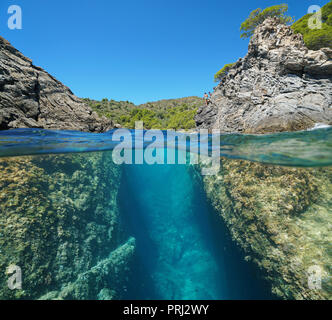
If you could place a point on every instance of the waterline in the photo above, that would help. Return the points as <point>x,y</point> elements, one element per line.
<point>298,149</point>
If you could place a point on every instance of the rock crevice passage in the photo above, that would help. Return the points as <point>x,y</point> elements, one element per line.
<point>183,249</point>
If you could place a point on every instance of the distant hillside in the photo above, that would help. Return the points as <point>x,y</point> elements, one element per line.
<point>169,103</point>
<point>111,109</point>
<point>163,114</point>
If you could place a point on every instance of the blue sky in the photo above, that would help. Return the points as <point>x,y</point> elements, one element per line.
<point>136,50</point>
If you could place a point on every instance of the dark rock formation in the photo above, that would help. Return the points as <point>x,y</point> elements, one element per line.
<point>32,98</point>
<point>280,85</point>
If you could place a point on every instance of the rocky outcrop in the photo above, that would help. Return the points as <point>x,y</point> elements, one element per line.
<point>32,98</point>
<point>280,85</point>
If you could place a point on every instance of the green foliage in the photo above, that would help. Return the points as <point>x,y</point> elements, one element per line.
<point>110,108</point>
<point>181,117</point>
<point>316,38</point>
<point>258,16</point>
<point>329,20</point>
<point>163,114</point>
<point>223,72</point>
<point>149,117</point>
<point>327,11</point>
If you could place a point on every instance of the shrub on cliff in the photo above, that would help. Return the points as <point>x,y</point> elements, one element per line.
<point>316,38</point>
<point>258,16</point>
<point>223,72</point>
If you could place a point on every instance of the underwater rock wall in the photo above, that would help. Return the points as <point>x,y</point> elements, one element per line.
<point>282,219</point>
<point>60,224</point>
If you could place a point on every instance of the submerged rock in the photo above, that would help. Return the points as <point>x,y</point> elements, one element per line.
<point>280,85</point>
<point>60,224</point>
<point>282,219</point>
<point>32,98</point>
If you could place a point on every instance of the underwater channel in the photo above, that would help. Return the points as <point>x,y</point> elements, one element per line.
<point>184,250</point>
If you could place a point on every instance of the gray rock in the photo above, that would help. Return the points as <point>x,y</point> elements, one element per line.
<point>32,98</point>
<point>280,85</point>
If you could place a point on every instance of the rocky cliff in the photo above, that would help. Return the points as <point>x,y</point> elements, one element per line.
<point>280,85</point>
<point>32,98</point>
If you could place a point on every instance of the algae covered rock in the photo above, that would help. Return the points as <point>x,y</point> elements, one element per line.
<point>282,218</point>
<point>98,281</point>
<point>60,224</point>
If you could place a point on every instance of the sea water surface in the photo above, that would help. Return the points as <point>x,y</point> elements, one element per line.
<point>312,148</point>
<point>184,250</point>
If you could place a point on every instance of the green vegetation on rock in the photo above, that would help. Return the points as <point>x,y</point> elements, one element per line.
<point>163,114</point>
<point>258,16</point>
<point>316,38</point>
<point>223,72</point>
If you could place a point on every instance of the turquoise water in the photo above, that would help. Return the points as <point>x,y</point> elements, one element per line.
<point>184,250</point>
